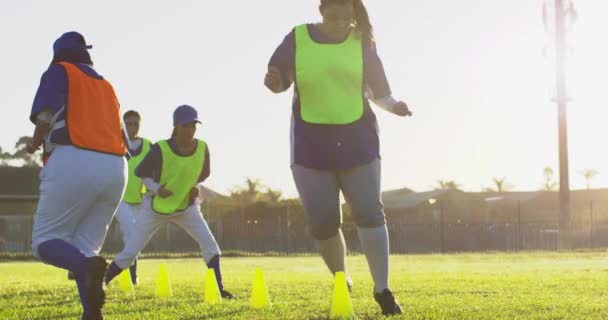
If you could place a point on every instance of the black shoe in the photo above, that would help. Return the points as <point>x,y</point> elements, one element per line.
<point>71,276</point>
<point>226,295</point>
<point>387,302</point>
<point>95,270</point>
<point>92,317</point>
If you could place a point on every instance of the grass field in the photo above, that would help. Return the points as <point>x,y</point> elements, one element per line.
<point>467,286</point>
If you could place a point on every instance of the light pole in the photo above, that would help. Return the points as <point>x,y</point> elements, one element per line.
<point>563,14</point>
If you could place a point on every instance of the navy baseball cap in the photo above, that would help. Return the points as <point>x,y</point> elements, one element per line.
<point>185,114</point>
<point>70,40</point>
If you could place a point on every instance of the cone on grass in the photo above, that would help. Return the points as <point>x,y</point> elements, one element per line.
<point>259,292</point>
<point>163,286</point>
<point>212,290</point>
<point>341,305</point>
<point>124,281</point>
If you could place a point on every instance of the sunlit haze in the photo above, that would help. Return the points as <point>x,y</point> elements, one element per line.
<point>472,72</point>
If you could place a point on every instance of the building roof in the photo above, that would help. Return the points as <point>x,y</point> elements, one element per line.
<point>405,198</point>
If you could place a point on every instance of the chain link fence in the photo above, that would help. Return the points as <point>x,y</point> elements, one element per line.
<point>282,231</point>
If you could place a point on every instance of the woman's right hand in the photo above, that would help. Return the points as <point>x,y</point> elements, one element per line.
<point>402,109</point>
<point>164,193</point>
<point>274,79</point>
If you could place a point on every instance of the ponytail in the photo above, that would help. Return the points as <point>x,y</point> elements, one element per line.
<point>362,23</point>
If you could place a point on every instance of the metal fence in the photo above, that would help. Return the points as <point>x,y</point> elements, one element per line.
<point>282,234</point>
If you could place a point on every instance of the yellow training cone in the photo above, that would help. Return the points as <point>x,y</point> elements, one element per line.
<point>259,293</point>
<point>212,291</point>
<point>341,305</point>
<point>124,281</point>
<point>163,287</point>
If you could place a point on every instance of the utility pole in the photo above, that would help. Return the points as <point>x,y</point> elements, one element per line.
<point>564,13</point>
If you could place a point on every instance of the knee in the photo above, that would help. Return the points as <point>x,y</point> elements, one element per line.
<point>369,218</point>
<point>324,229</point>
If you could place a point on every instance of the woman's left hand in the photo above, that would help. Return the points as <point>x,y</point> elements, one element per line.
<point>31,149</point>
<point>401,109</point>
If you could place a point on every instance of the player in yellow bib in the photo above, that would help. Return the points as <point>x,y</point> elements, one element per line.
<point>335,145</point>
<point>172,173</point>
<point>129,208</point>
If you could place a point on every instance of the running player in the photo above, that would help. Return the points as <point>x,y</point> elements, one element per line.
<point>84,178</point>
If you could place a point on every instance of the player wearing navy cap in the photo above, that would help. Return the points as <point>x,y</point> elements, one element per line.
<point>76,111</point>
<point>172,172</point>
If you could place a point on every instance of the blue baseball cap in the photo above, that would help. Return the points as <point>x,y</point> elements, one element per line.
<point>185,114</point>
<point>70,40</point>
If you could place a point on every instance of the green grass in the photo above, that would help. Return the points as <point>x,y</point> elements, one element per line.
<point>467,286</point>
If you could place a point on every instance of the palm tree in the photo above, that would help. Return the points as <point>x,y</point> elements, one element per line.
<point>272,196</point>
<point>447,185</point>
<point>549,184</point>
<point>249,193</point>
<point>253,192</point>
<point>501,184</point>
<point>253,187</point>
<point>589,174</point>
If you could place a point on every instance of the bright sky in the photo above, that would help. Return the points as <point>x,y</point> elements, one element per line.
<point>471,71</point>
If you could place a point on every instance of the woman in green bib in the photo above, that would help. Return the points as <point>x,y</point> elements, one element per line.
<point>172,173</point>
<point>129,208</point>
<point>336,71</point>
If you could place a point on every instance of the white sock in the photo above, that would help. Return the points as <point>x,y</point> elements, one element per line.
<point>375,246</point>
<point>333,251</point>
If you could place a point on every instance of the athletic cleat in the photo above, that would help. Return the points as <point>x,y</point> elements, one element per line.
<point>97,316</point>
<point>95,270</point>
<point>387,302</point>
<point>227,295</point>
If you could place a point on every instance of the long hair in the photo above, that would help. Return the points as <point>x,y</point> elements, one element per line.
<point>362,22</point>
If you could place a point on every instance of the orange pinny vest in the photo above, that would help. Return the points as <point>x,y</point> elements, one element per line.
<point>92,113</point>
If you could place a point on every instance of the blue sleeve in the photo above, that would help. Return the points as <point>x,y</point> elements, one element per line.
<point>284,56</point>
<point>152,164</point>
<point>52,92</point>
<point>206,168</point>
<point>375,77</point>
